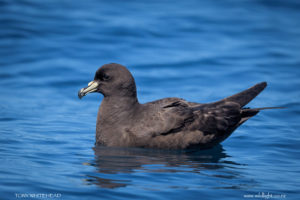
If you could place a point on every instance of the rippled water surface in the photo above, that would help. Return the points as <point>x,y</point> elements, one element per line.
<point>198,50</point>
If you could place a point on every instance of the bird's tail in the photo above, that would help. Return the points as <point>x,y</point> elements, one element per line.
<point>247,113</point>
<point>263,108</point>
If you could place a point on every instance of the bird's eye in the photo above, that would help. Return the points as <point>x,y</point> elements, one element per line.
<point>105,77</point>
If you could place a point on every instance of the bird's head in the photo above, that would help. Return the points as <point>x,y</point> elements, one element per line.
<point>111,80</point>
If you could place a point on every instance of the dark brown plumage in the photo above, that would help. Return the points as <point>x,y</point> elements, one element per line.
<point>170,123</point>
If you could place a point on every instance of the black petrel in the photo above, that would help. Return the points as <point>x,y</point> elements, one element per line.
<point>169,123</point>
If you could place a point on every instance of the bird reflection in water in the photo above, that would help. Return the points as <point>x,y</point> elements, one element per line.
<point>112,160</point>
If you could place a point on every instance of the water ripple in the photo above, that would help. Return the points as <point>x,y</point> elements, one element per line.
<point>198,50</point>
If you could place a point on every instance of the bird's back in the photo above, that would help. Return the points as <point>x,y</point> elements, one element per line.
<point>175,123</point>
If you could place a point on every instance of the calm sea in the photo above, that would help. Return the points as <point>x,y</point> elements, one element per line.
<point>198,50</point>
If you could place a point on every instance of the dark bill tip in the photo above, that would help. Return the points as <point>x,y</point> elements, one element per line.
<point>81,93</point>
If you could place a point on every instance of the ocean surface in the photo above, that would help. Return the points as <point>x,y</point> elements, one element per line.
<point>198,50</point>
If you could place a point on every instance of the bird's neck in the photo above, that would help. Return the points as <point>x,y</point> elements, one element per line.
<point>113,109</point>
<point>120,103</point>
<point>113,112</point>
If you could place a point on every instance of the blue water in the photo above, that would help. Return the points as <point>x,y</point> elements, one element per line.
<point>198,50</point>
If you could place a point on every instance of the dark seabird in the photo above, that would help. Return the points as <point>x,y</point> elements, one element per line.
<point>169,123</point>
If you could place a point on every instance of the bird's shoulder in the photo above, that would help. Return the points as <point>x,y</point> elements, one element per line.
<point>167,102</point>
<point>161,117</point>
<point>173,102</point>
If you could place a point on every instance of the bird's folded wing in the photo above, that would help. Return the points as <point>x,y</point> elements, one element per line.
<point>172,115</point>
<point>244,97</point>
<point>217,119</point>
<point>163,117</point>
